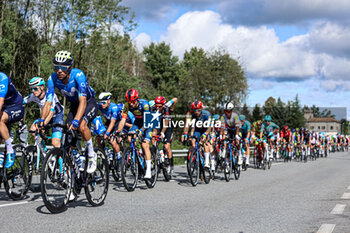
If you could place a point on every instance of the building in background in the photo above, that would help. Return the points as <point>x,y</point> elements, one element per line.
<point>328,125</point>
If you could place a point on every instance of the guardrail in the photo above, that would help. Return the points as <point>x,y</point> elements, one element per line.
<point>176,153</point>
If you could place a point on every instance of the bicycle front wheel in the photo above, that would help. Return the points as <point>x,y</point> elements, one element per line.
<point>193,170</point>
<point>129,170</point>
<point>96,188</point>
<point>228,167</point>
<point>55,181</point>
<point>17,179</point>
<point>154,169</point>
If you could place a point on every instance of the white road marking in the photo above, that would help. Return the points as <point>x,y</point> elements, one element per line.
<point>345,196</point>
<point>19,203</point>
<point>326,228</point>
<point>338,209</point>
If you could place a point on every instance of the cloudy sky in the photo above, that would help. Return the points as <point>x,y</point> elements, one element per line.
<point>286,47</point>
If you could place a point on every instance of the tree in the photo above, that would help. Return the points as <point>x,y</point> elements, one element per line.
<point>245,111</point>
<point>257,114</point>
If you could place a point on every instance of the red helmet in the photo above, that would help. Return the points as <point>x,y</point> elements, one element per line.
<point>197,105</point>
<point>160,100</point>
<point>285,128</point>
<point>131,95</point>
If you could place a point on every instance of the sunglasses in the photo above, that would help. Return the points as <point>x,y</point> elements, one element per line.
<point>34,89</point>
<point>132,102</point>
<point>104,102</point>
<point>198,110</point>
<point>159,105</point>
<point>268,121</point>
<point>61,67</point>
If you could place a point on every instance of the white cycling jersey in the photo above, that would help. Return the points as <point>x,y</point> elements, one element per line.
<point>56,106</point>
<point>231,123</point>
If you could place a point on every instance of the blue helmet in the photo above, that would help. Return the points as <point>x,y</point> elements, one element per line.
<point>216,117</point>
<point>242,117</point>
<point>268,118</point>
<point>36,81</point>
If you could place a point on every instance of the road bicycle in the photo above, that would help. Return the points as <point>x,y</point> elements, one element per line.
<point>133,166</point>
<point>61,175</point>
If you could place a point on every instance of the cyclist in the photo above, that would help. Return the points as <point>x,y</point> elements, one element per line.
<point>230,126</point>
<point>73,84</point>
<point>165,130</point>
<point>38,95</point>
<point>110,112</point>
<point>200,129</point>
<point>11,110</point>
<point>246,128</point>
<point>138,107</point>
<point>268,128</point>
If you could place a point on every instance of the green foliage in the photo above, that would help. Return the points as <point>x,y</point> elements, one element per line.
<point>257,114</point>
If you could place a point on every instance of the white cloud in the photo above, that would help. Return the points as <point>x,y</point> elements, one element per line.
<point>142,40</point>
<point>259,49</point>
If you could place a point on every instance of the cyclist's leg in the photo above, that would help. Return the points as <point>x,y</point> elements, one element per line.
<point>147,152</point>
<point>8,116</point>
<point>167,146</point>
<point>90,113</point>
<point>57,131</point>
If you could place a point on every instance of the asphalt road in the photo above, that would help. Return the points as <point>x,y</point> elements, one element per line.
<point>293,197</point>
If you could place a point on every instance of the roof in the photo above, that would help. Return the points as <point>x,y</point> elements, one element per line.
<point>323,119</point>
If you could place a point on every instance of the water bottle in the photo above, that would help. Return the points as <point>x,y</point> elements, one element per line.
<point>119,158</point>
<point>82,159</point>
<point>77,158</point>
<point>110,153</point>
<point>162,156</point>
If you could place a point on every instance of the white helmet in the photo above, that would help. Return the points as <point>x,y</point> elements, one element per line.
<point>229,106</point>
<point>105,96</point>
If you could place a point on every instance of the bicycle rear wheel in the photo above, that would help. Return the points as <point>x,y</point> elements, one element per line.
<point>154,168</point>
<point>236,168</point>
<point>17,179</point>
<point>129,170</point>
<point>228,167</point>
<point>193,170</point>
<point>166,169</point>
<point>96,188</point>
<point>56,181</point>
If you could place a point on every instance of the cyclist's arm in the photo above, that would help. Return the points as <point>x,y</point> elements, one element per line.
<point>49,98</point>
<point>81,108</point>
<point>124,117</point>
<point>3,89</point>
<point>2,101</point>
<point>187,123</point>
<point>174,103</point>
<point>111,125</point>
<point>48,118</point>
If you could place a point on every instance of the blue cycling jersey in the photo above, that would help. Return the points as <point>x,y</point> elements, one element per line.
<point>246,128</point>
<point>99,127</point>
<point>205,116</point>
<point>138,111</point>
<point>112,112</point>
<point>76,87</point>
<point>9,92</point>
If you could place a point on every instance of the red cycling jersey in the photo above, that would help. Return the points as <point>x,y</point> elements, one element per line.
<point>285,134</point>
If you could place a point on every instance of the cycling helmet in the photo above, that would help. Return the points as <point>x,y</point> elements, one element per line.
<point>63,58</point>
<point>242,117</point>
<point>105,96</point>
<point>285,127</point>
<point>131,95</point>
<point>197,105</point>
<point>297,129</point>
<point>216,117</point>
<point>268,118</point>
<point>151,103</point>
<point>301,129</point>
<point>229,106</point>
<point>160,100</point>
<point>36,81</point>
<point>293,130</point>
